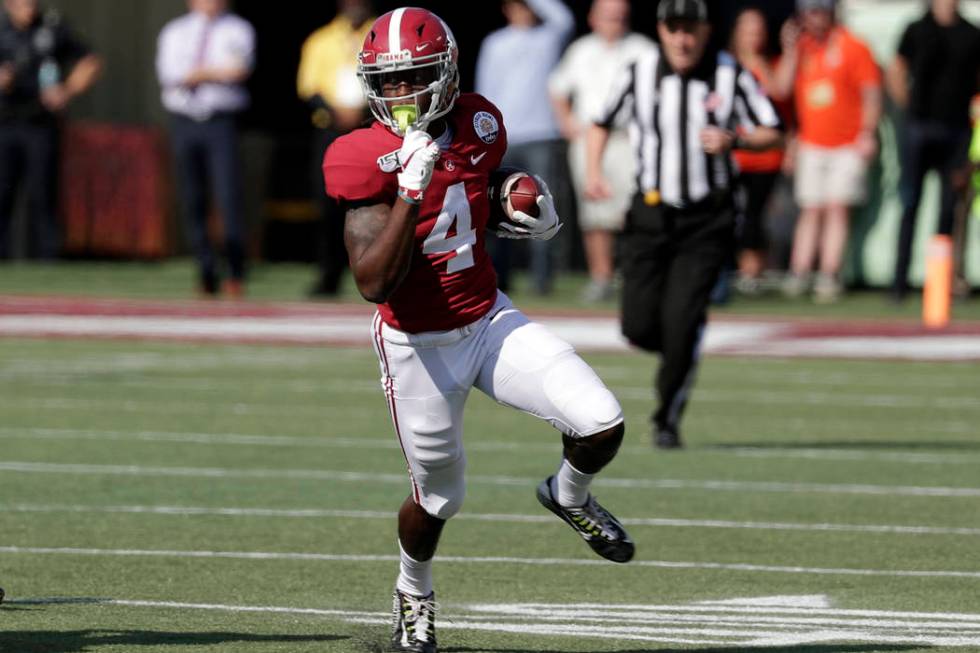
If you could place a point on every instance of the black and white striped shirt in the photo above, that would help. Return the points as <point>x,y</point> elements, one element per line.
<point>668,113</point>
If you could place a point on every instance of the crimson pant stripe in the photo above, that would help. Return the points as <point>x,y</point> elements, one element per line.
<point>390,397</point>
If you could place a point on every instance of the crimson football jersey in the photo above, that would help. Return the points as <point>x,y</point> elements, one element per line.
<point>451,281</point>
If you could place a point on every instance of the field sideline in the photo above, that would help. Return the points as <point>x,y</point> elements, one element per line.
<point>173,485</point>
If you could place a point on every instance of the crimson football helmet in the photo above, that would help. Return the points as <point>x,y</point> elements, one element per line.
<point>408,68</point>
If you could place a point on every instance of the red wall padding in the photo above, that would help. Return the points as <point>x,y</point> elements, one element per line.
<point>116,192</point>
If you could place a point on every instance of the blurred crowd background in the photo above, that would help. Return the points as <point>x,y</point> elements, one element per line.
<point>119,194</point>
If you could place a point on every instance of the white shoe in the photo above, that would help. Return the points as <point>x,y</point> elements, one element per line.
<point>598,291</point>
<point>795,286</point>
<point>827,289</point>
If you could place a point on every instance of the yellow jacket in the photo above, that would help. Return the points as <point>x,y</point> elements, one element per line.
<point>328,64</point>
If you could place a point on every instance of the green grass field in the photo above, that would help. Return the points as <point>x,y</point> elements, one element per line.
<point>229,498</point>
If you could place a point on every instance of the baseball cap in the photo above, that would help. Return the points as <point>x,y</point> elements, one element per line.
<point>690,9</point>
<point>827,5</point>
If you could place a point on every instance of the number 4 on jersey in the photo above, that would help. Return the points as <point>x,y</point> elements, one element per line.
<point>455,210</point>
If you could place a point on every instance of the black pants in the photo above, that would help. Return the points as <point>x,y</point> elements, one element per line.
<point>928,146</point>
<point>207,160</point>
<point>671,260</point>
<point>756,188</point>
<point>331,254</point>
<point>29,154</point>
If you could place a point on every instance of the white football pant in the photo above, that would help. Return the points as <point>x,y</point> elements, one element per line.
<point>427,377</point>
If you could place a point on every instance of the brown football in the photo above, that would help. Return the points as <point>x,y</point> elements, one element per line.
<point>523,196</point>
<point>502,181</point>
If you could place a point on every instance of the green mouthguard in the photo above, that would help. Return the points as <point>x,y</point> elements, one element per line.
<point>405,115</point>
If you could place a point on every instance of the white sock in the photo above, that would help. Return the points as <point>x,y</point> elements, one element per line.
<point>415,577</point>
<point>570,486</point>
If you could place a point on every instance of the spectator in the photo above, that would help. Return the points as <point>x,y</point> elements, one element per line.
<point>203,61</point>
<point>932,78</point>
<point>43,67</point>
<point>327,83</point>
<point>758,171</point>
<point>579,86</point>
<point>837,89</point>
<point>687,103</point>
<point>975,159</point>
<point>512,71</point>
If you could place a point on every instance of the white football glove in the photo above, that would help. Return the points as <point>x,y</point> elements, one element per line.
<point>543,227</point>
<point>417,156</point>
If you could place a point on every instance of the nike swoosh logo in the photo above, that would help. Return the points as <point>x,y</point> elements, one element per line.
<point>419,48</point>
<point>476,159</point>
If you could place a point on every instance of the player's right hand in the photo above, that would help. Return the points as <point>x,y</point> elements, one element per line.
<point>418,157</point>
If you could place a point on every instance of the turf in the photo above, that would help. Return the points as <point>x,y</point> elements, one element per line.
<point>106,447</point>
<point>138,478</point>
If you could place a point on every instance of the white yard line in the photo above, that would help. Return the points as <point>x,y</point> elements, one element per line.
<point>723,625</point>
<point>232,439</point>
<point>468,560</point>
<point>316,513</point>
<point>242,439</point>
<point>963,458</point>
<point>810,398</point>
<point>761,398</point>
<point>158,406</point>
<point>197,384</point>
<point>374,477</point>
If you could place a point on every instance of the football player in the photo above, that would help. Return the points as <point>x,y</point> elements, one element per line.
<point>414,186</point>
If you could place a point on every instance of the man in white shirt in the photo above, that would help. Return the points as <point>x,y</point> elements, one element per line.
<point>579,88</point>
<point>512,72</point>
<point>203,60</point>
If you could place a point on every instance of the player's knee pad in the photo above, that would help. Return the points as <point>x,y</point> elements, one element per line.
<point>435,452</point>
<point>440,465</point>
<point>586,404</point>
<point>603,446</point>
<point>442,493</point>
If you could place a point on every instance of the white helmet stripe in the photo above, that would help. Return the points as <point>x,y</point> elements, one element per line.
<point>449,32</point>
<point>395,31</point>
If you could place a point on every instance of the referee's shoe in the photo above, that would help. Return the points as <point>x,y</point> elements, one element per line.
<point>665,437</point>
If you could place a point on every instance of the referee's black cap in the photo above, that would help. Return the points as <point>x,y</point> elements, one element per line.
<point>689,9</point>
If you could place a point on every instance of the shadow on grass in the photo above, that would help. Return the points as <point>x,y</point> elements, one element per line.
<point>79,641</point>
<point>800,648</point>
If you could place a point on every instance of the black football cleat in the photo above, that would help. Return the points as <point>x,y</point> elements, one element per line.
<point>667,438</point>
<point>414,627</point>
<point>600,530</point>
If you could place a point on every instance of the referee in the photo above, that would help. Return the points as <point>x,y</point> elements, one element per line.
<point>685,104</point>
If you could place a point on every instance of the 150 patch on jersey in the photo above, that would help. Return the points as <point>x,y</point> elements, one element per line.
<point>486,127</point>
<point>389,162</point>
